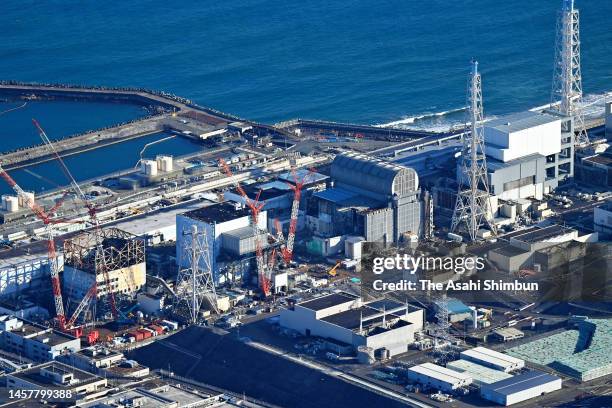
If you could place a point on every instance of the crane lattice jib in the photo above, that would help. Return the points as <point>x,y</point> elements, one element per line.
<point>92,214</point>
<point>52,253</point>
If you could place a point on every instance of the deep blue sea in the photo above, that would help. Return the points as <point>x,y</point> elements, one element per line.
<point>270,60</point>
<point>371,62</point>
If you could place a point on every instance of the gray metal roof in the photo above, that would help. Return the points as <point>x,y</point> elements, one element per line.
<point>241,233</point>
<point>367,172</point>
<point>542,234</point>
<point>520,121</point>
<point>326,301</point>
<point>493,164</point>
<point>520,382</point>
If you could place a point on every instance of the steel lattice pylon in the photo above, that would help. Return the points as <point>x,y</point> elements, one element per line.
<point>443,339</point>
<point>195,282</point>
<point>473,207</point>
<point>566,95</point>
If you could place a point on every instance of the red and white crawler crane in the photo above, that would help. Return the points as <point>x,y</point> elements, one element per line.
<point>49,222</point>
<point>263,273</point>
<point>287,251</point>
<point>92,215</point>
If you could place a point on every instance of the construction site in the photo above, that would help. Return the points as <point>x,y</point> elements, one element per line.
<point>248,259</point>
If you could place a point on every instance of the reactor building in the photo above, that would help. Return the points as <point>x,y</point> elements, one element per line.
<point>108,254</point>
<point>368,197</point>
<point>230,238</point>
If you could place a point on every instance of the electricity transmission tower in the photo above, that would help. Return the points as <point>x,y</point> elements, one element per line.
<point>566,95</point>
<point>443,340</point>
<point>195,282</point>
<point>473,207</point>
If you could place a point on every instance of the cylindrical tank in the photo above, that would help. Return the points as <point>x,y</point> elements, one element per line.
<point>164,163</point>
<point>23,201</point>
<point>10,203</point>
<point>365,355</point>
<point>149,167</point>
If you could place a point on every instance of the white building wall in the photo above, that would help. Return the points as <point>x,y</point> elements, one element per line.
<point>213,233</point>
<point>544,139</point>
<point>520,396</point>
<point>396,340</point>
<point>26,274</point>
<point>438,382</point>
<point>531,191</point>
<point>603,220</point>
<point>416,317</point>
<point>304,322</point>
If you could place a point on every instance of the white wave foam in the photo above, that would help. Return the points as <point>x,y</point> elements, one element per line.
<point>411,120</point>
<point>592,104</point>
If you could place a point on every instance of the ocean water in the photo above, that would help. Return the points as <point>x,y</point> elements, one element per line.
<point>363,61</point>
<point>58,119</point>
<point>95,163</point>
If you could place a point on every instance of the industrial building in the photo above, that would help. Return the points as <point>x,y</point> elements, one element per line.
<point>457,310</point>
<point>13,208</point>
<point>595,168</point>
<point>369,197</point>
<point>25,271</point>
<point>230,238</point>
<point>120,255</point>
<point>58,376</point>
<point>493,359</point>
<point>505,334</point>
<point>602,219</point>
<point>480,374</point>
<point>528,154</point>
<point>519,249</point>
<point>521,387</point>
<point>157,394</point>
<point>104,362</point>
<point>34,341</point>
<point>384,327</point>
<point>438,377</point>
<point>277,195</point>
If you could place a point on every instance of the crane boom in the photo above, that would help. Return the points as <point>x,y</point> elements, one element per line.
<point>52,258</point>
<point>255,206</point>
<point>90,209</point>
<point>83,304</point>
<point>295,210</point>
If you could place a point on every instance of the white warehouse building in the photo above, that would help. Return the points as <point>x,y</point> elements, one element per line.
<point>438,377</point>
<point>519,388</point>
<point>493,359</point>
<point>385,327</point>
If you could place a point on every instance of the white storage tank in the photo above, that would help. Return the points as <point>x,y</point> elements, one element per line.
<point>23,201</point>
<point>149,167</point>
<point>10,203</point>
<point>164,163</point>
<point>353,247</point>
